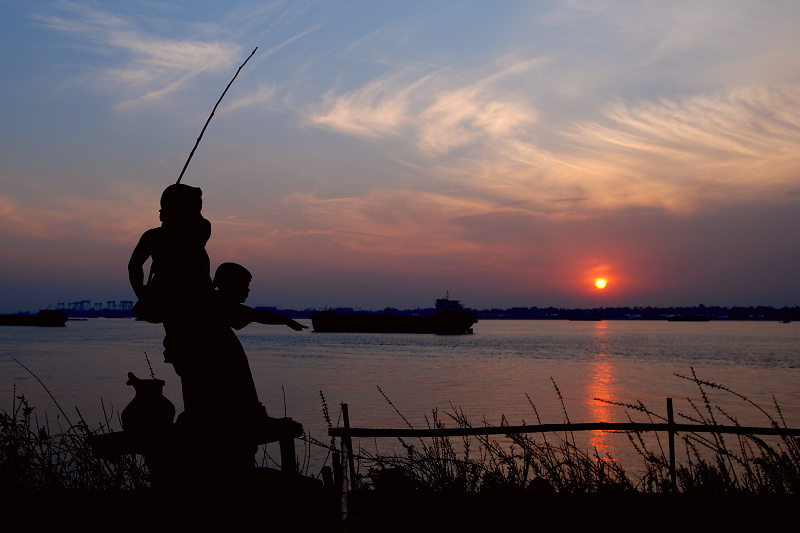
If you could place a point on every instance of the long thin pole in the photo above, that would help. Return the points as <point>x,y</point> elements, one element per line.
<point>212,114</point>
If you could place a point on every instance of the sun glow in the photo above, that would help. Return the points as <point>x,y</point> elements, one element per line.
<point>600,283</point>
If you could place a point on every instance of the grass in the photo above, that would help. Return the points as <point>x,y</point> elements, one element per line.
<point>38,454</point>
<point>545,462</point>
<point>722,463</point>
<point>35,455</point>
<point>708,463</point>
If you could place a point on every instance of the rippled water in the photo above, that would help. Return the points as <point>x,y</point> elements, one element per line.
<point>500,370</point>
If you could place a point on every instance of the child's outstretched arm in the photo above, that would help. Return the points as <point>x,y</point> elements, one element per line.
<point>263,316</point>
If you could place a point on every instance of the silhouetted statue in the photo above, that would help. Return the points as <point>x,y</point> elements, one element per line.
<point>223,421</point>
<point>217,383</point>
<point>217,434</point>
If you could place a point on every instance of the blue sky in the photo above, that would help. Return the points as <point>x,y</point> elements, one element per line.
<point>378,154</point>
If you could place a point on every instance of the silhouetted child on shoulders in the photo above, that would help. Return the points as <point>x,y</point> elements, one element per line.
<point>180,271</point>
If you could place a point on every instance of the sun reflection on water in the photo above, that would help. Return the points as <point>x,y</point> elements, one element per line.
<point>601,384</point>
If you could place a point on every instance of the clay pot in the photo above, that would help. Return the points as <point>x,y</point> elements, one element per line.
<point>149,410</point>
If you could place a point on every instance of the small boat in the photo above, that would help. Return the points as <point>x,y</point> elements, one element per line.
<point>449,318</point>
<point>45,318</point>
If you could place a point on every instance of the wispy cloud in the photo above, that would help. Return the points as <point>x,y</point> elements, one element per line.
<point>155,66</point>
<point>471,115</point>
<point>440,111</point>
<point>263,94</point>
<point>701,149</point>
<point>393,222</point>
<point>381,107</point>
<point>675,153</point>
<point>17,222</point>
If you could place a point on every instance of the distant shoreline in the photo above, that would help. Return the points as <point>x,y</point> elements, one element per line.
<point>759,313</point>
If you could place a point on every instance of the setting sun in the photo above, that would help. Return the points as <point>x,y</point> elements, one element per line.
<point>600,283</point>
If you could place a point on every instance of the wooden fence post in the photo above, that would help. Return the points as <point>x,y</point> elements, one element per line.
<point>351,461</point>
<point>344,488</point>
<point>671,432</point>
<point>347,459</point>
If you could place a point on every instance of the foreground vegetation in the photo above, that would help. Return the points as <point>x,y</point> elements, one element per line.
<point>708,463</point>
<point>35,454</point>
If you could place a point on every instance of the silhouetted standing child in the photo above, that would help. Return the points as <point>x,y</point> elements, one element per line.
<point>227,358</point>
<point>219,386</point>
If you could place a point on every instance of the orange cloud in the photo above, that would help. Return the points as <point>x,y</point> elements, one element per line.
<point>119,217</point>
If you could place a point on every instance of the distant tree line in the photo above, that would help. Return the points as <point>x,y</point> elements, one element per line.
<point>529,313</point>
<point>643,313</point>
<point>603,313</point>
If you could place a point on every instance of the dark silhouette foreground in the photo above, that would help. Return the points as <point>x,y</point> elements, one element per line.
<point>208,452</point>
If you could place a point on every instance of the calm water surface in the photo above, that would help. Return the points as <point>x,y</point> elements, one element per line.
<point>505,368</point>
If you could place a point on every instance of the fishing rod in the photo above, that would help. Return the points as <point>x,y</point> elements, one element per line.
<point>212,114</point>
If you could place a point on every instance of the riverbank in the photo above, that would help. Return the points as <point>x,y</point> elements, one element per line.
<point>412,511</point>
<point>372,511</point>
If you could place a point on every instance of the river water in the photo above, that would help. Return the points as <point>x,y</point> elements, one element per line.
<point>505,368</point>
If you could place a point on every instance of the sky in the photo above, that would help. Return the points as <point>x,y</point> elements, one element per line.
<point>384,154</point>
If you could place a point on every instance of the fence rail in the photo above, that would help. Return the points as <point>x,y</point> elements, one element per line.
<point>554,428</point>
